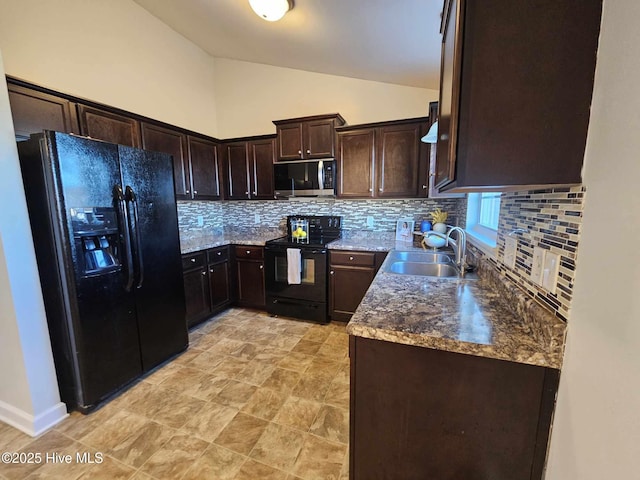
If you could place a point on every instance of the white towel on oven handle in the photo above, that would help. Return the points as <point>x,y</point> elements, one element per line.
<point>294,266</point>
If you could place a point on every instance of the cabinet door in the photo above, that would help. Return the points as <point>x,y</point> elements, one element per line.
<point>33,112</point>
<point>174,143</point>
<point>219,285</point>
<point>319,139</point>
<point>449,93</point>
<point>251,284</point>
<point>347,286</point>
<point>196,292</point>
<point>237,171</point>
<point>289,141</point>
<point>356,153</point>
<point>398,161</point>
<point>262,155</point>
<point>108,126</point>
<point>205,178</point>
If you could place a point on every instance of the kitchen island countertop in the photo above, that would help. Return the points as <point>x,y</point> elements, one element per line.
<point>483,317</point>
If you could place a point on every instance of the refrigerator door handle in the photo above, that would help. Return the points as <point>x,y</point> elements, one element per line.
<point>130,196</point>
<point>124,218</point>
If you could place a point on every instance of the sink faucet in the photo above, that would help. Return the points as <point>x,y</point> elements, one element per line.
<point>459,247</point>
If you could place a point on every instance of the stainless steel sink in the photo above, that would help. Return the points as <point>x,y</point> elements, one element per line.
<point>420,257</point>
<point>426,269</point>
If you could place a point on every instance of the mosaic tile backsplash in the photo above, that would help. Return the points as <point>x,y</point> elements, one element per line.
<point>552,219</point>
<point>243,214</point>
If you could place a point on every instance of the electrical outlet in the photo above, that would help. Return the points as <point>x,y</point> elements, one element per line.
<point>510,248</point>
<point>537,265</point>
<point>200,221</point>
<point>369,222</point>
<point>550,271</point>
<point>256,218</point>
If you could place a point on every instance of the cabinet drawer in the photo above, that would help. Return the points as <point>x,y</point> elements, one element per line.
<point>193,260</point>
<point>249,252</point>
<point>362,259</point>
<point>216,255</point>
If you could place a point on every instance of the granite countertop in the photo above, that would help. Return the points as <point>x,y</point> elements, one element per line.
<point>481,317</point>
<point>194,243</point>
<point>368,244</point>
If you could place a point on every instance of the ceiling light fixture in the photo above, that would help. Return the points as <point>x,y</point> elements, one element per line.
<point>271,10</point>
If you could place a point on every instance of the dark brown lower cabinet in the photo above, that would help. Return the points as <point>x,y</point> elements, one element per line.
<point>350,274</point>
<point>207,283</point>
<point>250,276</point>
<point>418,413</point>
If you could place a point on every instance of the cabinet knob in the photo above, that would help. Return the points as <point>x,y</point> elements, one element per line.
<point>193,260</point>
<point>248,252</point>
<point>204,273</point>
<point>299,152</point>
<point>219,253</point>
<point>261,267</point>
<point>211,270</point>
<point>350,258</point>
<point>424,187</point>
<point>444,136</point>
<point>332,272</point>
<point>186,191</point>
<point>308,151</point>
<point>195,192</point>
<point>380,189</point>
<point>371,189</point>
<point>255,192</point>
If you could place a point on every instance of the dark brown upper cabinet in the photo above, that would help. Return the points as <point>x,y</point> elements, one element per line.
<point>430,185</point>
<point>307,137</point>
<point>165,140</point>
<point>383,160</point>
<point>205,169</point>
<point>108,126</point>
<point>515,92</point>
<point>250,168</point>
<point>35,111</point>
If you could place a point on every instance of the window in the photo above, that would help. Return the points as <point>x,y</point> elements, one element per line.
<point>483,214</point>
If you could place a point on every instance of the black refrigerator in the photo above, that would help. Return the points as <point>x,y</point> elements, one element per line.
<point>105,232</point>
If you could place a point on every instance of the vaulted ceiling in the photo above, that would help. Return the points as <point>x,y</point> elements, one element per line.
<point>393,41</point>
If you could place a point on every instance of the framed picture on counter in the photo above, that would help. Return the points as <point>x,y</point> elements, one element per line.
<point>404,230</point>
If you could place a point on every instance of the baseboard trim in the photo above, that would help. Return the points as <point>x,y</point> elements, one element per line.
<point>29,424</point>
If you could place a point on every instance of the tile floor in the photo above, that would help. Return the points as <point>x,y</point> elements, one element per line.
<point>254,397</point>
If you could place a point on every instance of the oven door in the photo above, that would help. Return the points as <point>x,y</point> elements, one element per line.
<point>313,275</point>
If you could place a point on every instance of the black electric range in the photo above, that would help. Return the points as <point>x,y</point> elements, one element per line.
<point>300,292</point>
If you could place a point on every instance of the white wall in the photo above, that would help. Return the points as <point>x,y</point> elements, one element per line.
<point>113,52</point>
<point>29,397</point>
<point>596,432</point>
<point>250,96</point>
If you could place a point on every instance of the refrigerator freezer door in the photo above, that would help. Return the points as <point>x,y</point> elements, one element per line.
<point>147,178</point>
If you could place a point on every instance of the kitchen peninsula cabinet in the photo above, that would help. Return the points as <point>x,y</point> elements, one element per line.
<point>160,139</point>
<point>109,126</point>
<point>350,274</point>
<point>250,168</point>
<point>421,413</point>
<point>207,283</point>
<point>250,276</point>
<point>35,111</point>
<point>307,137</point>
<point>383,160</point>
<point>515,92</point>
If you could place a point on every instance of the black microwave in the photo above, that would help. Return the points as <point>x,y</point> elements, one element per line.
<point>305,178</point>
